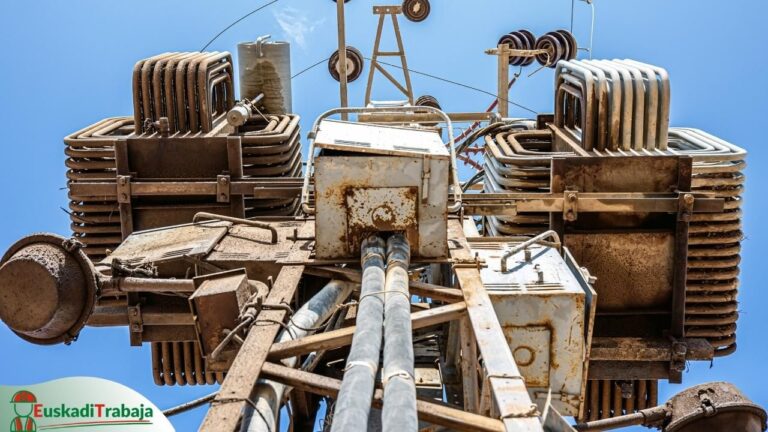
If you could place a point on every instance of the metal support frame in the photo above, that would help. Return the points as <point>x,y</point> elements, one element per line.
<point>341,28</point>
<point>507,387</point>
<point>407,90</point>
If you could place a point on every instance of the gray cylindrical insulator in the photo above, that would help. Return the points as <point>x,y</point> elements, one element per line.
<point>399,413</point>
<point>269,394</point>
<point>265,67</point>
<point>353,404</point>
<point>238,115</point>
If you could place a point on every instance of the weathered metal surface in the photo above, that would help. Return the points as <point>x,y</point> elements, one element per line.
<point>633,270</point>
<point>47,289</point>
<point>170,243</point>
<point>216,305</point>
<point>716,407</point>
<point>401,186</point>
<point>508,390</point>
<point>242,377</point>
<point>265,68</point>
<point>542,308</point>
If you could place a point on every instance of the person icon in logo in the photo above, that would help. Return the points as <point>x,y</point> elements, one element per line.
<point>23,402</point>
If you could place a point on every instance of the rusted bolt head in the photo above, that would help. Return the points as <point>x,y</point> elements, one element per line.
<point>571,197</point>
<point>570,216</point>
<point>223,180</point>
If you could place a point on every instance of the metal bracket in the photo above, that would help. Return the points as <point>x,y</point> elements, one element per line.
<point>380,10</point>
<point>223,183</point>
<point>124,189</point>
<point>135,324</point>
<point>570,205</point>
<point>476,262</point>
<point>679,353</point>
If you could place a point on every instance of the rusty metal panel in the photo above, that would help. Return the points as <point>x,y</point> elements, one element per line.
<point>166,244</point>
<point>542,308</point>
<point>216,305</point>
<point>348,207</point>
<point>384,210</point>
<point>634,271</point>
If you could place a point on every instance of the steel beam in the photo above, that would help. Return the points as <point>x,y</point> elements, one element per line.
<point>508,389</point>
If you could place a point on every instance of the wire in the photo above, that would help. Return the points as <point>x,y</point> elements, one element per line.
<point>236,22</point>
<point>310,67</point>
<point>456,83</point>
<point>573,6</point>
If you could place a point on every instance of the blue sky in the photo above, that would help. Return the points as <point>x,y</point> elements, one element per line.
<point>68,64</point>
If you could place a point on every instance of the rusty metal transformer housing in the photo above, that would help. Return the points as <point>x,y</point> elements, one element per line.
<point>372,178</point>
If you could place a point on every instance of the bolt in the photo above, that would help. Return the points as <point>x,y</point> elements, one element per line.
<point>223,180</point>
<point>571,197</point>
<point>570,216</point>
<point>539,274</point>
<point>527,255</point>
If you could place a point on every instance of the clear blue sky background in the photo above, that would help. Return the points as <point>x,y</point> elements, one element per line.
<point>67,64</point>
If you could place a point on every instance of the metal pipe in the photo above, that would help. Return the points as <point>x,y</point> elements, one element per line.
<point>203,215</point>
<point>269,394</point>
<point>353,404</point>
<point>399,413</point>
<point>644,417</point>
<point>187,406</point>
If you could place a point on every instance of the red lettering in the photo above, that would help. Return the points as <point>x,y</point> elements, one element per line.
<point>98,409</point>
<point>37,410</point>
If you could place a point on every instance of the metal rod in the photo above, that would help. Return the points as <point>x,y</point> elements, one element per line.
<point>189,405</point>
<point>644,417</point>
<point>341,28</point>
<point>399,413</point>
<point>203,215</point>
<point>525,244</point>
<point>354,401</point>
<point>269,394</point>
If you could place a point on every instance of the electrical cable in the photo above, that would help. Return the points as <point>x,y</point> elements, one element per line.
<point>456,83</point>
<point>236,22</point>
<point>310,67</point>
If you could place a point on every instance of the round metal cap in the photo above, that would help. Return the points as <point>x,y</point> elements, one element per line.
<point>47,289</point>
<point>714,407</point>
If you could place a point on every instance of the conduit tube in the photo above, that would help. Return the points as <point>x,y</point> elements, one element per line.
<point>269,394</point>
<point>353,404</point>
<point>399,412</point>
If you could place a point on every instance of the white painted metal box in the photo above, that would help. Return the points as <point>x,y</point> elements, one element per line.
<point>545,305</point>
<point>373,178</point>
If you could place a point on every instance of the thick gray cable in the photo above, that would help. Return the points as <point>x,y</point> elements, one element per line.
<point>353,404</point>
<point>399,413</point>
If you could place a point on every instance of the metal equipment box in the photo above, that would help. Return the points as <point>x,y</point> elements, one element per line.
<point>216,305</point>
<point>546,307</point>
<point>373,178</point>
